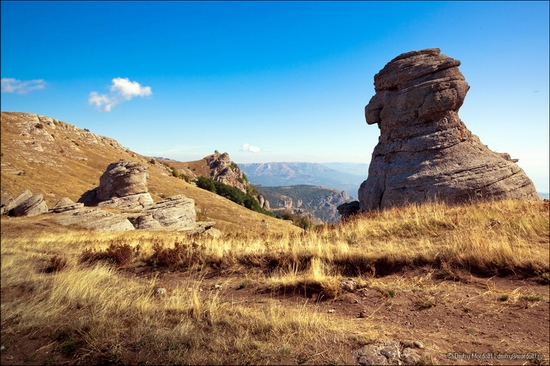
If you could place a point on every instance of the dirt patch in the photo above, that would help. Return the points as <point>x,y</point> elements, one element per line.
<point>470,320</point>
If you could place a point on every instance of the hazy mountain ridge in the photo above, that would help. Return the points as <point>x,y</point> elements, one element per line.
<point>286,174</point>
<point>321,202</point>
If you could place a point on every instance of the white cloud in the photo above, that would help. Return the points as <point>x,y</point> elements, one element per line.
<point>252,149</point>
<point>11,85</point>
<point>121,90</point>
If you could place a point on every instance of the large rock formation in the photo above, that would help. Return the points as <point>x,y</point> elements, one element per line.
<point>425,151</point>
<point>223,170</point>
<point>123,178</point>
<point>123,186</point>
<point>174,213</point>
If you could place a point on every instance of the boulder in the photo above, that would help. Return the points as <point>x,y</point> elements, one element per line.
<point>177,212</point>
<point>425,152</point>
<point>122,186</point>
<point>387,353</point>
<point>10,203</point>
<point>95,219</point>
<point>133,202</point>
<point>66,204</point>
<point>348,209</point>
<point>123,178</point>
<point>33,205</point>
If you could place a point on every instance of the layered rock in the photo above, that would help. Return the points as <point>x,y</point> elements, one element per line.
<point>122,186</point>
<point>95,219</point>
<point>123,178</point>
<point>223,170</point>
<point>128,203</point>
<point>425,151</point>
<point>25,204</point>
<point>66,204</point>
<point>175,213</point>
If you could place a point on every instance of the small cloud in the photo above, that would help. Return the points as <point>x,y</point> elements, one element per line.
<point>120,91</point>
<point>11,85</point>
<point>252,149</point>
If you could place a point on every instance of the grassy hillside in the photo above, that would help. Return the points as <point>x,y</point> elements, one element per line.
<point>60,160</point>
<point>72,296</point>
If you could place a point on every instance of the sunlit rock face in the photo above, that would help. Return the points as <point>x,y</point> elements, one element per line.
<point>425,151</point>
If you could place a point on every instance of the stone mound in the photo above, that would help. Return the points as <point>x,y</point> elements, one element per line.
<point>425,152</point>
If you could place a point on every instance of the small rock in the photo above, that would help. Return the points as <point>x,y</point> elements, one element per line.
<point>410,357</point>
<point>330,311</point>
<point>160,292</point>
<point>418,344</point>
<point>348,285</point>
<point>363,314</point>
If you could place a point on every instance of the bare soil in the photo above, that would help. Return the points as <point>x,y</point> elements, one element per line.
<point>466,320</point>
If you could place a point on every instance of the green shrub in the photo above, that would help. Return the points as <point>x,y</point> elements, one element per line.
<point>298,220</point>
<point>244,199</point>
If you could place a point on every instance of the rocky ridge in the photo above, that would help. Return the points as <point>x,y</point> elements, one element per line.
<point>425,151</point>
<point>218,167</point>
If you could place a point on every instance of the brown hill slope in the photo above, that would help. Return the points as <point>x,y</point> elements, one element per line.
<point>57,159</point>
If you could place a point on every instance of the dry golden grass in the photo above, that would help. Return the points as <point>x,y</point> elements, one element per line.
<point>95,310</point>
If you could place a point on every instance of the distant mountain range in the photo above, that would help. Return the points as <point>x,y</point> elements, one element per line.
<point>340,176</point>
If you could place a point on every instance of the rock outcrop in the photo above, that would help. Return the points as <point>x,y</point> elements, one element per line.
<point>122,186</point>
<point>95,219</point>
<point>174,213</point>
<point>223,170</point>
<point>425,151</point>
<point>25,204</point>
<point>123,178</point>
<point>66,204</point>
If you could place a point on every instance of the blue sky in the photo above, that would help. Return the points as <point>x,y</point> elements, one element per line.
<point>270,81</point>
